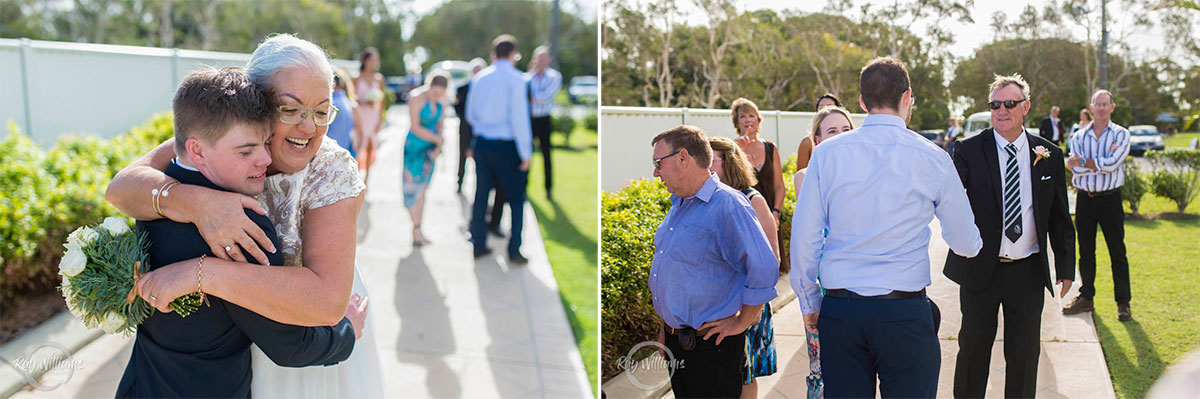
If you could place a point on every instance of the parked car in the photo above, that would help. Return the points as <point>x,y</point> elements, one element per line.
<point>976,123</point>
<point>1144,138</point>
<point>583,89</point>
<point>934,135</point>
<point>400,86</point>
<point>460,72</point>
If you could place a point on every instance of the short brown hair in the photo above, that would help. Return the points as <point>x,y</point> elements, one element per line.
<point>504,45</point>
<point>690,138</point>
<point>742,104</point>
<point>211,101</point>
<point>737,170</point>
<point>883,82</point>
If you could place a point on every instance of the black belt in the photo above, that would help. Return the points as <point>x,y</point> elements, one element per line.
<point>478,137</point>
<point>1094,194</point>
<point>844,293</point>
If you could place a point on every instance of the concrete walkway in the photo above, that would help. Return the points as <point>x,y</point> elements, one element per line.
<point>1071,365</point>
<point>447,325</point>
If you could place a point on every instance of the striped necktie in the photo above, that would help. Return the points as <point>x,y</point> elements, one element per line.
<point>1012,196</point>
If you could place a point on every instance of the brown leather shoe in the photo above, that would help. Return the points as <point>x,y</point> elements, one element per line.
<point>1079,305</point>
<point>1123,312</point>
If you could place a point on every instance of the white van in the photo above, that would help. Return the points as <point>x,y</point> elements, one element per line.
<point>976,123</point>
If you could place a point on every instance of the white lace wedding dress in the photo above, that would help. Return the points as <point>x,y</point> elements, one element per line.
<point>330,177</point>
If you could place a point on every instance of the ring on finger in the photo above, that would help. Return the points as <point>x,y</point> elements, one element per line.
<point>153,298</point>
<point>228,248</point>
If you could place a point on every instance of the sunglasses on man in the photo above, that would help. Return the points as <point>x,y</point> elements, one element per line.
<point>1010,104</point>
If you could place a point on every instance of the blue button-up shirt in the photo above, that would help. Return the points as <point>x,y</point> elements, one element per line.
<point>1109,151</point>
<point>542,90</point>
<point>710,258</point>
<point>498,106</point>
<point>875,189</point>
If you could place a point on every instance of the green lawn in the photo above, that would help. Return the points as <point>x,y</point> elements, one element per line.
<point>569,226</point>
<point>1153,204</point>
<point>1164,259</point>
<point>1181,139</point>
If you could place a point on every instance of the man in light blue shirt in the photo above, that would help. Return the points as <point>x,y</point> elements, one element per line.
<point>712,272</point>
<point>498,111</point>
<point>876,189</point>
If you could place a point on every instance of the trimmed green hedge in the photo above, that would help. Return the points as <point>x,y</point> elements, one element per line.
<point>50,193</point>
<point>1135,186</point>
<point>628,221</point>
<point>1177,175</point>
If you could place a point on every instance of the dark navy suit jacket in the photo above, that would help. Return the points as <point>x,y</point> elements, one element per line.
<point>207,353</point>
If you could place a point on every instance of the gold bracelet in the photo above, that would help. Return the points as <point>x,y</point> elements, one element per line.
<point>162,192</point>
<point>200,278</point>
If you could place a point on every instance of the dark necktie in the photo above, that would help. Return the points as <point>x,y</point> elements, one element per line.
<point>1012,196</point>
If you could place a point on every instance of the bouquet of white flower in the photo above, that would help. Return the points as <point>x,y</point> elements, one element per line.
<point>99,272</point>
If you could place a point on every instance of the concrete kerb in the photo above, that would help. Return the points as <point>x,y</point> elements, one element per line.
<point>63,330</point>
<point>620,386</point>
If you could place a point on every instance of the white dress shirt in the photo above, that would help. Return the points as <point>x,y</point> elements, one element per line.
<point>1027,244</point>
<point>498,106</point>
<point>876,189</point>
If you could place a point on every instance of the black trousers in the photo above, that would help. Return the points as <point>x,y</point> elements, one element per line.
<point>889,339</point>
<point>1110,215</point>
<point>708,370</point>
<point>497,166</point>
<point>1018,287</point>
<point>465,136</point>
<point>541,131</point>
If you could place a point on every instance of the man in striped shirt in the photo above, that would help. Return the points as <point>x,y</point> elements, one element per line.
<point>1098,163</point>
<point>544,83</point>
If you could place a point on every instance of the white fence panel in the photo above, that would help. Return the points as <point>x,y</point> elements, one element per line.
<point>52,88</point>
<point>625,134</point>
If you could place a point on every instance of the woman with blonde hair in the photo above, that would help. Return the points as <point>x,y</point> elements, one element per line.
<point>732,168</point>
<point>762,155</point>
<point>830,121</point>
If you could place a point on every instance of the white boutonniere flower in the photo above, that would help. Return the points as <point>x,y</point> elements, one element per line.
<point>1041,152</point>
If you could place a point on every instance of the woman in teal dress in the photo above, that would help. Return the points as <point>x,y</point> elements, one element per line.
<point>422,147</point>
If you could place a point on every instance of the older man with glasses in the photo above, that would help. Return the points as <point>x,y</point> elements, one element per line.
<point>712,272</point>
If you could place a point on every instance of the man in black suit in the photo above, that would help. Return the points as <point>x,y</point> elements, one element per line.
<point>1015,183</point>
<point>1052,128</point>
<point>222,122</point>
<point>465,135</point>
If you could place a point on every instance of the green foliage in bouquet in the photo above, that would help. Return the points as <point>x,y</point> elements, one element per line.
<point>101,292</point>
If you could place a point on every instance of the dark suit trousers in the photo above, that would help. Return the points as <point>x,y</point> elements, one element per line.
<point>1110,215</point>
<point>1018,287</point>
<point>893,339</point>
<point>465,136</point>
<point>708,370</point>
<point>496,165</point>
<point>541,131</point>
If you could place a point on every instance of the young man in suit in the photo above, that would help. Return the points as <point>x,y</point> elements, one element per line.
<point>1015,183</point>
<point>222,124</point>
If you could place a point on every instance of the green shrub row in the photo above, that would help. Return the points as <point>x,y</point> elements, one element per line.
<point>50,193</point>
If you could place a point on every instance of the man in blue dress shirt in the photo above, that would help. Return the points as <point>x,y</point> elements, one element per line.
<point>875,190</point>
<point>713,269</point>
<point>498,111</point>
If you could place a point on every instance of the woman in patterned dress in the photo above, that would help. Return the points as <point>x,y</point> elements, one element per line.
<point>732,168</point>
<point>313,193</point>
<point>422,147</point>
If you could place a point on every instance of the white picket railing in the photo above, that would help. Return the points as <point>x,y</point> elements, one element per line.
<point>51,88</point>
<point>625,134</point>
